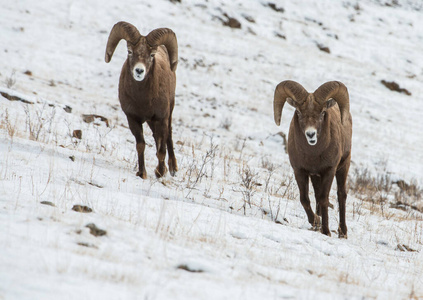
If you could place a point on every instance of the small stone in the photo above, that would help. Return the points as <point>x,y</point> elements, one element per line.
<point>88,118</point>
<point>249,18</point>
<point>279,35</point>
<point>68,109</point>
<point>88,245</point>
<point>189,268</point>
<point>231,22</point>
<point>275,8</point>
<point>48,203</point>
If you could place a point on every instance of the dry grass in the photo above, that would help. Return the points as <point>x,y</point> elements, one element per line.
<point>379,193</point>
<point>8,124</point>
<point>39,122</point>
<point>11,80</point>
<point>248,185</point>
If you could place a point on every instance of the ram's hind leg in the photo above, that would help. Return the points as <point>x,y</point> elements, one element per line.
<point>173,165</point>
<point>341,181</point>
<point>136,128</point>
<point>160,133</point>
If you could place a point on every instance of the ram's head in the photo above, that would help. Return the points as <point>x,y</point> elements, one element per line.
<point>311,108</point>
<point>142,49</point>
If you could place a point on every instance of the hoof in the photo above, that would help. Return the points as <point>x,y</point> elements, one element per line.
<point>173,167</point>
<point>326,231</point>
<point>143,175</point>
<point>342,234</point>
<point>317,223</point>
<point>172,170</point>
<point>160,173</point>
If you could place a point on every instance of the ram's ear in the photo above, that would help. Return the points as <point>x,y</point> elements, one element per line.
<point>153,51</point>
<point>331,102</point>
<point>130,49</point>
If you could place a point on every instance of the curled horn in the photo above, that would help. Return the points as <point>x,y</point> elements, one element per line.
<point>121,30</point>
<point>166,37</point>
<point>337,91</point>
<point>287,89</point>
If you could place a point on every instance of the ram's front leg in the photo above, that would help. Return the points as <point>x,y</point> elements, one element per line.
<point>136,128</point>
<point>302,179</point>
<point>173,165</point>
<point>341,180</point>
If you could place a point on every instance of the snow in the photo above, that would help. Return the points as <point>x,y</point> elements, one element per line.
<point>188,237</point>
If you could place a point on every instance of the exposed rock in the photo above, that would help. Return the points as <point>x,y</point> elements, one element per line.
<point>48,203</point>
<point>393,3</point>
<point>279,35</point>
<point>87,245</point>
<point>249,18</point>
<point>189,268</point>
<point>95,231</point>
<point>90,118</point>
<point>231,22</point>
<point>275,8</point>
<point>77,134</point>
<point>81,208</point>
<point>323,48</point>
<point>393,86</point>
<point>68,109</point>
<point>15,98</point>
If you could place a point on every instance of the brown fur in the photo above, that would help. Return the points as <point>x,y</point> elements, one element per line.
<point>151,100</point>
<point>330,157</point>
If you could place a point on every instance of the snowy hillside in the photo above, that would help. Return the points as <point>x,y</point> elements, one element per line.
<point>75,221</point>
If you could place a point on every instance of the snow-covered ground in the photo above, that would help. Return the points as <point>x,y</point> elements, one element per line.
<point>189,237</point>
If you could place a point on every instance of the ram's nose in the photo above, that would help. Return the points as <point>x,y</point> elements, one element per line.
<point>139,72</point>
<point>311,136</point>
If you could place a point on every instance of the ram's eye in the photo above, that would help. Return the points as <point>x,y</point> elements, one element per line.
<point>130,52</point>
<point>152,55</point>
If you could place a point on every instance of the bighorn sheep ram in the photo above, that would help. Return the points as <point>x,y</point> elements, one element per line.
<point>147,88</point>
<point>319,144</point>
